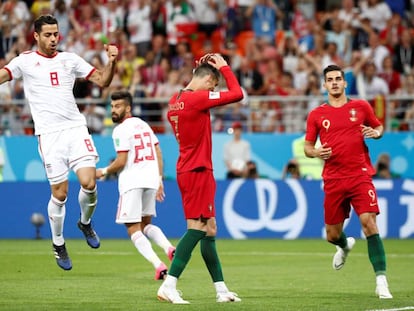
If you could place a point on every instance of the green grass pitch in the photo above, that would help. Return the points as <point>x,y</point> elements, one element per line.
<point>268,274</point>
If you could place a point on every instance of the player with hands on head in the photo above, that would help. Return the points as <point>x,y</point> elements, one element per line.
<point>342,125</point>
<point>63,140</point>
<point>189,116</point>
<point>140,166</point>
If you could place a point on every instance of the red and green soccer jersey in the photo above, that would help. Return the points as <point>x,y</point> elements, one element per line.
<point>189,116</point>
<point>341,129</point>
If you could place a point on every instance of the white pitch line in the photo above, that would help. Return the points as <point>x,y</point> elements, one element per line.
<point>223,253</point>
<point>307,254</point>
<point>394,309</point>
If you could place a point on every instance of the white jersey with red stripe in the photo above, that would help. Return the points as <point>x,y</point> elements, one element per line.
<point>48,86</point>
<point>137,138</point>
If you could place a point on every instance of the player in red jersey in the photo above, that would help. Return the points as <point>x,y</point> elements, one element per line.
<point>189,116</point>
<point>343,125</point>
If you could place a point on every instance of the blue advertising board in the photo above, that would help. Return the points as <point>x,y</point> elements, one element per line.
<point>246,209</point>
<point>270,151</point>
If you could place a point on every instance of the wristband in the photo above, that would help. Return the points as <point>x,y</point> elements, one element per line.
<point>104,171</point>
<point>378,133</point>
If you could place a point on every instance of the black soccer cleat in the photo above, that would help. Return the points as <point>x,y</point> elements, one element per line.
<point>62,257</point>
<point>90,235</point>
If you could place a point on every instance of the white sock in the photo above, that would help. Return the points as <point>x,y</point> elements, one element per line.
<point>144,247</point>
<point>221,287</point>
<point>170,281</point>
<point>56,211</point>
<point>382,280</point>
<point>87,201</point>
<point>155,234</point>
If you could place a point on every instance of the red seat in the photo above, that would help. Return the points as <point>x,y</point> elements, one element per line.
<point>242,39</point>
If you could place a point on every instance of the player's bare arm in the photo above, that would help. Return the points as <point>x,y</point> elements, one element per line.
<point>323,152</point>
<point>4,76</point>
<point>117,165</point>
<point>104,77</point>
<point>370,132</point>
<point>234,92</point>
<point>160,191</point>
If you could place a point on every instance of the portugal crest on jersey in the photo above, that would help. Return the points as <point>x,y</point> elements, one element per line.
<point>353,113</point>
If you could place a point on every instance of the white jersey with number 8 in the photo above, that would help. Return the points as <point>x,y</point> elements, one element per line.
<point>48,87</point>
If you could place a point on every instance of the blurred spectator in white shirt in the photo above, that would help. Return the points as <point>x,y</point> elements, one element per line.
<point>376,51</point>
<point>207,15</point>
<point>112,15</point>
<point>348,13</point>
<point>378,13</point>
<point>236,152</point>
<point>139,26</point>
<point>369,84</point>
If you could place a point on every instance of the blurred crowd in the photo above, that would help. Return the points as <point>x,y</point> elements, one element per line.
<point>275,47</point>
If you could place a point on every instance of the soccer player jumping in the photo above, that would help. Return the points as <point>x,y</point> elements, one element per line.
<point>343,125</point>
<point>64,141</point>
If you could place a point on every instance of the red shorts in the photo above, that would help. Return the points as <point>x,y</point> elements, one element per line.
<point>340,194</point>
<point>198,189</point>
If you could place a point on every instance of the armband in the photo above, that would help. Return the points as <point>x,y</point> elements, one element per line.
<point>378,133</point>
<point>104,171</point>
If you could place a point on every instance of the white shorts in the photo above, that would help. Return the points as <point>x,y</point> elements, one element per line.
<point>134,204</point>
<point>65,150</point>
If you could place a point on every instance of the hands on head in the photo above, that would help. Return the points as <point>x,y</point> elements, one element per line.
<point>214,59</point>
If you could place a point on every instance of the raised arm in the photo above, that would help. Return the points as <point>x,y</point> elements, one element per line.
<point>104,77</point>
<point>234,92</point>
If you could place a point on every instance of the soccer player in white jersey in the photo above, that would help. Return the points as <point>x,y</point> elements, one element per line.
<point>140,166</point>
<point>63,139</point>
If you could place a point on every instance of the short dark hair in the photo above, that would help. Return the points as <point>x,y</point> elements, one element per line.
<point>333,68</point>
<point>44,20</point>
<point>206,69</point>
<point>125,95</point>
